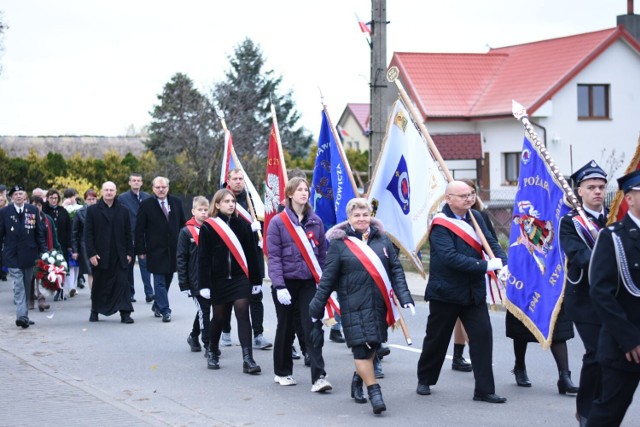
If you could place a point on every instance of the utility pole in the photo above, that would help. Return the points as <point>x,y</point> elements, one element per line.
<point>378,80</point>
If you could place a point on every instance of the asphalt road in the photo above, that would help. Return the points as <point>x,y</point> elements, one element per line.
<point>65,371</point>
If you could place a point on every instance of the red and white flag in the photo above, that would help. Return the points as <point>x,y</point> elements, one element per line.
<point>276,177</point>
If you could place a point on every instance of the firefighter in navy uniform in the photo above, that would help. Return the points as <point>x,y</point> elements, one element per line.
<point>577,243</point>
<point>614,275</point>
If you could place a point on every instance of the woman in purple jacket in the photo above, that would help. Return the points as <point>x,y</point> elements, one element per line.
<point>296,252</point>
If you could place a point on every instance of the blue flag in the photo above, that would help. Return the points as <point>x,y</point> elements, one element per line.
<point>332,184</point>
<point>536,262</point>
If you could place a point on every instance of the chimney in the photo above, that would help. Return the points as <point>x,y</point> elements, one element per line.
<point>630,21</point>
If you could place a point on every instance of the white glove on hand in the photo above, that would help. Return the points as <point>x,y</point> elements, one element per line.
<point>284,296</point>
<point>503,275</point>
<point>260,244</point>
<point>256,289</point>
<point>314,320</point>
<point>187,293</point>
<point>494,264</point>
<point>205,293</point>
<point>255,226</point>
<point>410,307</point>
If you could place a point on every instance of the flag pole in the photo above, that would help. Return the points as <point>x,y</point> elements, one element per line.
<point>252,211</point>
<point>403,325</point>
<point>343,156</point>
<point>279,142</point>
<point>520,113</point>
<point>392,75</point>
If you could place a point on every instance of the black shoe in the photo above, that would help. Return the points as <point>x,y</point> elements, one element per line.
<point>356,389</point>
<point>213,361</point>
<point>155,310</point>
<point>294,353</point>
<point>565,385</point>
<point>490,398</point>
<point>522,379</point>
<point>375,397</point>
<point>307,359</point>
<point>249,366</point>
<point>23,323</point>
<point>383,351</point>
<point>31,322</point>
<point>166,318</point>
<point>150,298</point>
<point>423,389</point>
<point>193,343</point>
<point>126,319</point>
<point>460,364</point>
<point>336,336</point>
<point>93,317</point>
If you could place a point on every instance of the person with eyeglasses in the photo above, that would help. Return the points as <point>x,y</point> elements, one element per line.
<point>158,224</point>
<point>457,289</point>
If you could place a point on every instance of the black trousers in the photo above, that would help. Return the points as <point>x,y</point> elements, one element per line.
<point>617,393</point>
<point>590,374</point>
<point>202,322</point>
<point>302,292</point>
<point>440,324</point>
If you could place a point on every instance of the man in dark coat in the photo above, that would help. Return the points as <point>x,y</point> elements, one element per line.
<point>23,235</point>
<point>107,234</point>
<point>577,243</point>
<point>457,288</point>
<point>132,199</point>
<point>159,221</point>
<point>614,275</point>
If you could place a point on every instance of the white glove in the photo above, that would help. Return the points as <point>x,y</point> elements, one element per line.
<point>256,289</point>
<point>260,243</point>
<point>284,296</point>
<point>410,307</point>
<point>205,293</point>
<point>494,264</point>
<point>314,320</point>
<point>186,293</point>
<point>503,275</point>
<point>255,226</point>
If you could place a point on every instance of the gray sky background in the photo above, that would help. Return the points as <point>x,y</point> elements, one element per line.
<point>95,67</point>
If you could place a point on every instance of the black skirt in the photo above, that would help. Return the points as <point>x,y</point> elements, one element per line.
<point>562,331</point>
<point>110,292</point>
<point>228,290</point>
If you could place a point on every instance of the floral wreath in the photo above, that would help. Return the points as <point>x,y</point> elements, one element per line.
<point>50,270</point>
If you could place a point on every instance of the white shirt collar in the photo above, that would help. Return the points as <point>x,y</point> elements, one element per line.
<point>634,218</point>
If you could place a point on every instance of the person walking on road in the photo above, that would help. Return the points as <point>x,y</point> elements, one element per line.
<point>360,264</point>
<point>158,223</point>
<point>107,234</point>
<point>457,289</point>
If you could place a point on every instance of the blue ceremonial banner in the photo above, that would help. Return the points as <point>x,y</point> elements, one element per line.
<point>331,186</point>
<point>535,283</point>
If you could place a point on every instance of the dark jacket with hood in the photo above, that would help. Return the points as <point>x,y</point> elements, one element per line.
<point>187,258</point>
<point>362,305</point>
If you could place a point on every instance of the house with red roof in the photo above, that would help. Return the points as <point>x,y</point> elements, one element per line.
<point>582,93</point>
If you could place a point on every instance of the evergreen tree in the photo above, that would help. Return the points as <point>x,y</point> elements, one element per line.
<point>244,98</point>
<point>181,135</point>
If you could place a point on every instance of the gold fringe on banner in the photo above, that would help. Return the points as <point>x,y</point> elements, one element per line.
<point>617,201</point>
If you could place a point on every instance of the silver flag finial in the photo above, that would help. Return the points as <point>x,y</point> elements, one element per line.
<point>518,110</point>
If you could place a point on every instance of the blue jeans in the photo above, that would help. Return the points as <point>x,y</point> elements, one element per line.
<point>21,288</point>
<point>161,283</point>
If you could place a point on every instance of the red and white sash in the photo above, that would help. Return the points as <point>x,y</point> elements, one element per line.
<point>231,240</point>
<point>195,233</point>
<point>243,213</point>
<point>467,233</point>
<point>376,270</point>
<point>302,242</point>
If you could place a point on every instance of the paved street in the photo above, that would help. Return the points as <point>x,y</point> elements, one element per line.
<point>65,371</point>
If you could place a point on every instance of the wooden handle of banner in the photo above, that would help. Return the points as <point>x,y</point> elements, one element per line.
<point>403,325</point>
<point>392,75</point>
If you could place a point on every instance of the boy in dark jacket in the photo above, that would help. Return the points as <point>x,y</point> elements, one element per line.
<point>187,266</point>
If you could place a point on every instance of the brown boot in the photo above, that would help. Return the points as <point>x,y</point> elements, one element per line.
<point>42,306</point>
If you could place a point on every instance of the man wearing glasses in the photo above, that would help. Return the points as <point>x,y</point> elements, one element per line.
<point>159,221</point>
<point>456,289</point>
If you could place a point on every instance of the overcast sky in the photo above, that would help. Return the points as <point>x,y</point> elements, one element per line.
<point>95,67</point>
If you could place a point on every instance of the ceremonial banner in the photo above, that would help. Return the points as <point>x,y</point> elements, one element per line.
<point>535,284</point>
<point>407,186</point>
<point>275,181</point>
<point>230,161</point>
<point>619,207</point>
<point>332,185</point>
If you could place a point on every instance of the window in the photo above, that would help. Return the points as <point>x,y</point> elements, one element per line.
<point>593,102</point>
<point>511,168</point>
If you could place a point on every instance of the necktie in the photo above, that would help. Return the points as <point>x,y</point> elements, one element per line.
<point>164,209</point>
<point>601,219</point>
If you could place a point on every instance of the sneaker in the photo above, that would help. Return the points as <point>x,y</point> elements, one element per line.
<point>225,339</point>
<point>321,385</point>
<point>288,380</point>
<point>193,343</point>
<point>261,343</point>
